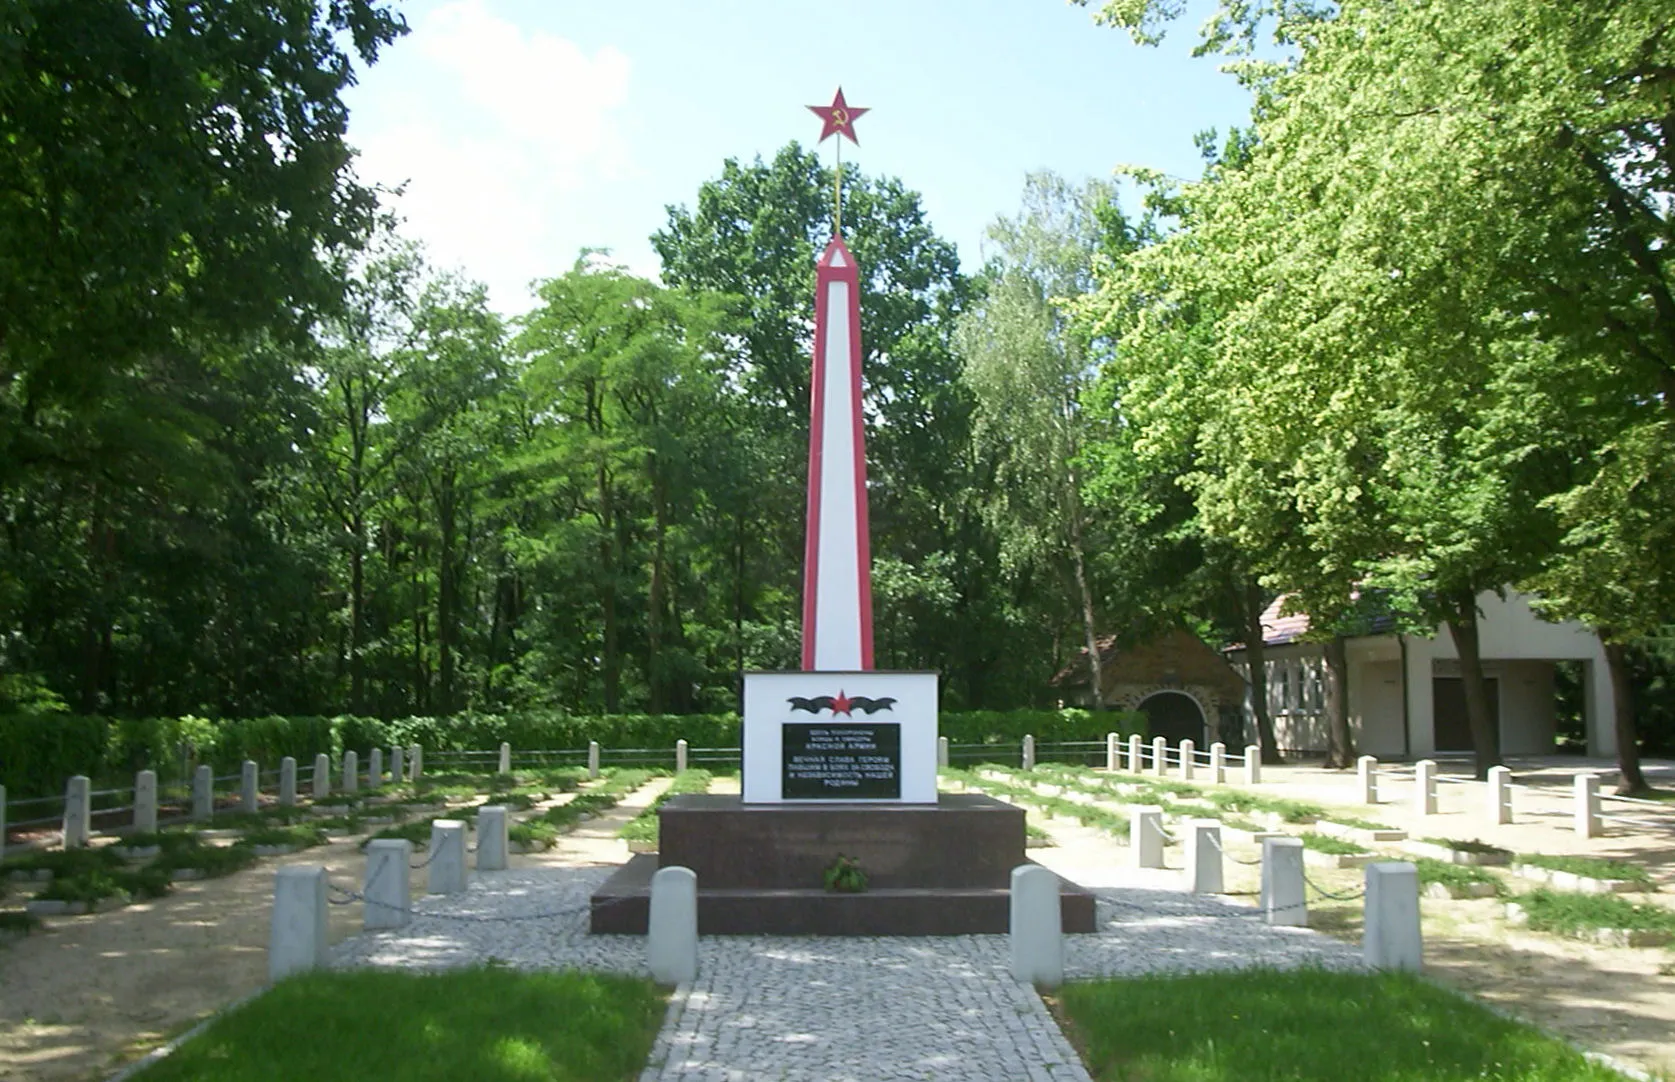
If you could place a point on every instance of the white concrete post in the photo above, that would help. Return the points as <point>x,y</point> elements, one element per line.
<point>322,776</point>
<point>1188,751</point>
<point>1425,787</point>
<point>1283,900</point>
<point>78,811</point>
<point>942,758</point>
<point>593,758</point>
<point>491,838</point>
<point>672,926</point>
<point>680,754</point>
<point>351,772</point>
<point>1029,752</point>
<point>1253,765</point>
<point>375,768</point>
<point>1160,755</point>
<point>1390,937</point>
<point>417,755</point>
<point>297,934</point>
<point>1218,763</point>
<point>249,786</point>
<point>386,890</point>
<point>1145,835</point>
<point>145,802</point>
<point>398,766</point>
<point>505,766</point>
<point>1037,924</point>
<point>446,860</point>
<point>1588,824</point>
<point>1366,775</point>
<point>1111,752</point>
<point>287,781</point>
<point>1136,753</point>
<point>203,794</point>
<point>1203,856</point>
<point>1500,794</point>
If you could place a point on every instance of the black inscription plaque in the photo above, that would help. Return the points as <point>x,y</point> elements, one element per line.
<point>841,762</point>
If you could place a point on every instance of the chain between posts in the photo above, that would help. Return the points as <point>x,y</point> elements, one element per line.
<point>1216,841</point>
<point>1324,893</point>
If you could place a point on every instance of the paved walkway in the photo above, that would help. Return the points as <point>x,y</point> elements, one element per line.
<point>802,1009</point>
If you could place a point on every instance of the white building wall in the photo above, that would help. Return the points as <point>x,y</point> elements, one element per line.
<point>1375,702</point>
<point>1517,647</point>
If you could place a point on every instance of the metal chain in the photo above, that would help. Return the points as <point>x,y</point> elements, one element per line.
<point>425,863</point>
<point>1215,840</point>
<point>1324,893</point>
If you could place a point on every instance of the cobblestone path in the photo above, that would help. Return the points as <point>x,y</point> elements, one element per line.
<point>835,1009</point>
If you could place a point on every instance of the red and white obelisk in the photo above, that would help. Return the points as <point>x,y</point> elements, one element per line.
<point>837,562</point>
<point>838,730</point>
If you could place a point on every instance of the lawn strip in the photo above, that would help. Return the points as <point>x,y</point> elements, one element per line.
<point>1305,1026</point>
<point>488,1024</point>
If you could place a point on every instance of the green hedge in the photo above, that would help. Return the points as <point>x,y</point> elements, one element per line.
<point>39,751</point>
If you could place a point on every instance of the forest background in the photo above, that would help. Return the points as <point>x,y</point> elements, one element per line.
<point>1409,337</point>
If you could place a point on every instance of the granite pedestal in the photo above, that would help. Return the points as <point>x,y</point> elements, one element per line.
<point>932,869</point>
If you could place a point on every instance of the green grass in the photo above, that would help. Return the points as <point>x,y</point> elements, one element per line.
<point>301,835</point>
<point>1326,843</point>
<point>16,920</point>
<point>1306,1026</point>
<point>1432,870</point>
<point>416,831</point>
<point>1462,846</point>
<point>98,883</point>
<point>643,827</point>
<point>64,861</point>
<point>214,861</point>
<point>1242,803</point>
<point>532,835</point>
<point>269,817</point>
<point>1357,822</point>
<point>1592,867</point>
<point>1568,913</point>
<point>489,1025</point>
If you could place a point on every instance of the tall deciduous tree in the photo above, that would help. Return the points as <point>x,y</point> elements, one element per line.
<point>1450,295</point>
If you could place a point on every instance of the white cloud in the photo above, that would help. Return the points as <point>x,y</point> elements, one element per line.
<point>499,131</point>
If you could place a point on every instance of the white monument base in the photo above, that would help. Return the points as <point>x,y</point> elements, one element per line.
<point>856,737</point>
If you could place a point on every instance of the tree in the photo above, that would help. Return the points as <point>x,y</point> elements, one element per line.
<point>1028,371</point>
<point>175,196</point>
<point>1472,206</point>
<point>170,171</point>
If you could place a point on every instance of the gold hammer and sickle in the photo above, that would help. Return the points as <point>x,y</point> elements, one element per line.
<point>840,117</point>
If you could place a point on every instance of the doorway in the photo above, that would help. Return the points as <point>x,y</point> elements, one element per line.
<point>1175,716</point>
<point>1448,705</point>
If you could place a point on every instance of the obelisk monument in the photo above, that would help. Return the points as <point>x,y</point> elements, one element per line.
<point>803,740</point>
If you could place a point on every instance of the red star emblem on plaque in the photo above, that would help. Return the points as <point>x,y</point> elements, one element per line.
<point>838,118</point>
<point>842,704</point>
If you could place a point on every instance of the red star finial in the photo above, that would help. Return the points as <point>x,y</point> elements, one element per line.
<point>842,704</point>
<point>839,118</point>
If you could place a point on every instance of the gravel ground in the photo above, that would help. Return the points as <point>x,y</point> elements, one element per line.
<point>802,1009</point>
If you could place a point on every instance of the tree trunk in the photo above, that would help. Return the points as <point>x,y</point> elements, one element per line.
<point>447,593</point>
<point>1340,745</point>
<point>1256,658</point>
<point>357,605</point>
<point>1485,730</point>
<point>656,679</point>
<point>1633,782</point>
<point>1090,629</point>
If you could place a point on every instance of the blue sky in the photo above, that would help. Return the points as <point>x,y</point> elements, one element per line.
<point>526,130</point>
